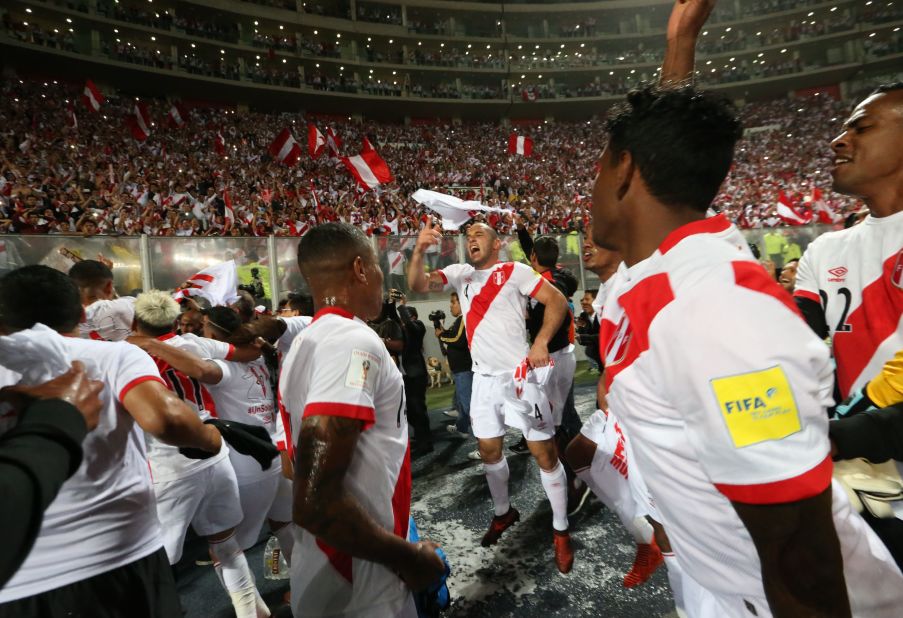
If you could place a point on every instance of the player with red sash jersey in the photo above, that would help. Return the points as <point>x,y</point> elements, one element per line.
<point>352,482</point>
<point>493,297</point>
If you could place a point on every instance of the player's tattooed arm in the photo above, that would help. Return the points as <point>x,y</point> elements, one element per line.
<point>802,567</point>
<point>435,282</point>
<point>323,506</point>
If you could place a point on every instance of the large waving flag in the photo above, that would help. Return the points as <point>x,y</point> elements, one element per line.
<point>788,214</point>
<point>139,122</point>
<point>92,97</point>
<point>285,149</point>
<point>315,141</point>
<point>520,144</point>
<point>368,169</point>
<point>333,141</point>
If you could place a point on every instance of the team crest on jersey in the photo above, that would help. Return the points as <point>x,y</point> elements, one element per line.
<point>838,275</point>
<point>896,275</point>
<point>362,370</point>
<point>499,277</point>
<point>620,342</point>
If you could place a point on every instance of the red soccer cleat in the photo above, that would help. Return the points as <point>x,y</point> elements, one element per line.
<point>648,559</point>
<point>564,553</point>
<point>499,524</point>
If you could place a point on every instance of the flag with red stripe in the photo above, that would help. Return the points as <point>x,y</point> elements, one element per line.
<point>178,114</point>
<point>788,214</point>
<point>139,122</point>
<point>368,169</point>
<point>285,148</point>
<point>315,141</point>
<point>333,141</point>
<point>92,97</point>
<point>520,144</point>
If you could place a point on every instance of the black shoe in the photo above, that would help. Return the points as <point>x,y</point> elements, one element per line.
<point>577,498</point>
<point>520,448</point>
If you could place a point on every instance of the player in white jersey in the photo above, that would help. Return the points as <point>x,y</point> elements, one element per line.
<point>493,297</point>
<point>107,317</point>
<point>849,283</point>
<point>242,392</point>
<point>202,493</point>
<point>720,384</point>
<point>345,397</point>
<point>100,550</point>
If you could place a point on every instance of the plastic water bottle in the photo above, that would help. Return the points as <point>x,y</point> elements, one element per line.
<point>274,565</point>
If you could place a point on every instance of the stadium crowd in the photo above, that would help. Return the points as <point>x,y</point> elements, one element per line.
<point>95,178</point>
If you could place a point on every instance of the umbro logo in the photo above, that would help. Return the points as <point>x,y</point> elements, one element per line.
<point>838,275</point>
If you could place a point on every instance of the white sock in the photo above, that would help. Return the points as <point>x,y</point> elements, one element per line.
<point>676,580</point>
<point>286,542</point>
<point>556,485</point>
<point>638,527</point>
<point>641,530</point>
<point>235,574</point>
<point>497,477</point>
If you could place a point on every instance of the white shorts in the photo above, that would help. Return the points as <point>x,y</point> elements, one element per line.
<point>700,602</point>
<point>267,497</point>
<point>621,481</point>
<point>559,385</point>
<point>494,406</point>
<point>207,501</point>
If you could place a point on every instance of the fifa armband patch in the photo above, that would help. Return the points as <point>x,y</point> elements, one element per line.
<point>757,406</point>
<point>362,370</point>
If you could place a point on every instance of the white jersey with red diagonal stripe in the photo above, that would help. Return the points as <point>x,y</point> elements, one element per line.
<point>338,366</point>
<point>722,388</point>
<point>166,463</point>
<point>493,301</point>
<point>103,516</point>
<point>856,275</point>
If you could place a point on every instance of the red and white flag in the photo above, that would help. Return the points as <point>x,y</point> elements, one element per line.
<point>520,144</point>
<point>367,146</point>
<point>528,94</point>
<point>285,149</point>
<point>820,207</point>
<point>333,141</point>
<point>313,193</point>
<point>788,214</point>
<point>217,283</point>
<point>92,97</point>
<point>315,141</point>
<point>368,169</point>
<point>139,122</point>
<point>228,211</point>
<point>71,119</point>
<point>178,114</point>
<point>219,144</point>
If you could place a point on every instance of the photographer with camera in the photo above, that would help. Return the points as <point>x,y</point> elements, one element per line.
<point>413,369</point>
<point>454,344</point>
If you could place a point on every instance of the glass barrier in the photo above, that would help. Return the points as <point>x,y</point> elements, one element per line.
<point>170,261</point>
<point>290,279</point>
<point>61,252</point>
<point>174,260</point>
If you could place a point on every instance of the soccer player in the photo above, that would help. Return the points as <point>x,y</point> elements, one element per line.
<point>107,316</point>
<point>202,493</point>
<point>719,382</point>
<point>494,297</point>
<point>599,453</point>
<point>241,392</point>
<point>352,483</point>
<point>849,284</point>
<point>100,549</point>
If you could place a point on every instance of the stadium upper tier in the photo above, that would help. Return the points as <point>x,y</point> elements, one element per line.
<point>427,58</point>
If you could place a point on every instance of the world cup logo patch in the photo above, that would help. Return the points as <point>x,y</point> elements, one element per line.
<point>896,275</point>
